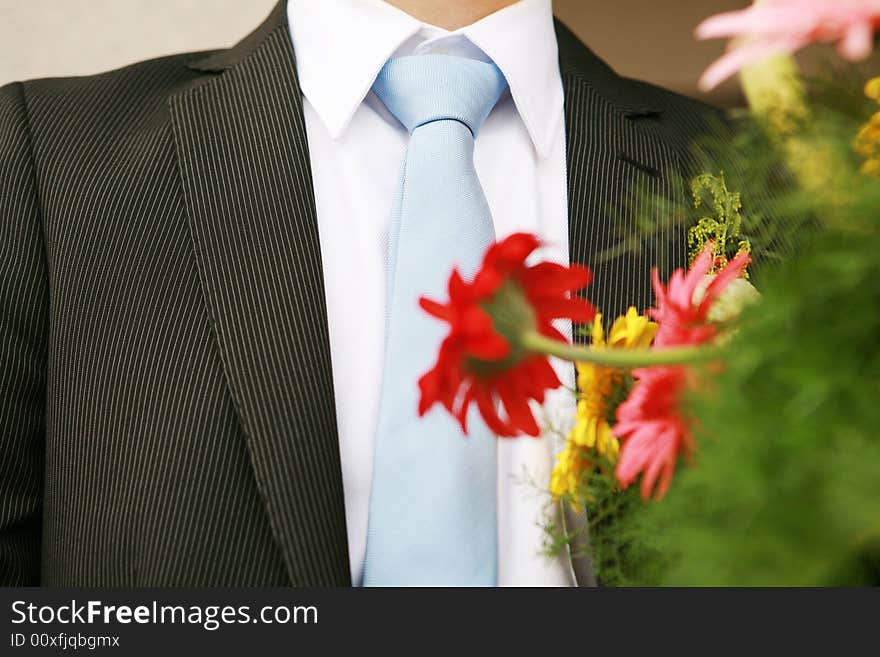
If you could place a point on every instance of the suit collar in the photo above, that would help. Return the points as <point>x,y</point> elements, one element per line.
<point>223,60</point>
<point>576,60</point>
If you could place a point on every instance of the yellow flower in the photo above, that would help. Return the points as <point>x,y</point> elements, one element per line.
<point>571,465</point>
<point>600,390</point>
<point>872,89</point>
<point>867,140</point>
<point>871,168</point>
<point>631,331</point>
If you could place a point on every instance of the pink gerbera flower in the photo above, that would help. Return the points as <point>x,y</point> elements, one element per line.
<point>652,429</point>
<point>650,424</point>
<point>774,27</point>
<point>683,322</point>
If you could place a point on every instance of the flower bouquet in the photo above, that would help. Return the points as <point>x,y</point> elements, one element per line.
<point>723,436</point>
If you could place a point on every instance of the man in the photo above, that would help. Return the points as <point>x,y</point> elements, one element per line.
<point>208,369</point>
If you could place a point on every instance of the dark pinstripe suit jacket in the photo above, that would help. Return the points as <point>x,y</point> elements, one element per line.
<point>166,402</point>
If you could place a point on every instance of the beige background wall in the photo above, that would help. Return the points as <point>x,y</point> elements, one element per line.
<point>38,38</point>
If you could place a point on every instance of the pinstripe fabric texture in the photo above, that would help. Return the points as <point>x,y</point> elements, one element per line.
<point>166,401</point>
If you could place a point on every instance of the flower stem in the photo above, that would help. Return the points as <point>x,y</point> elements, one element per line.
<point>621,358</point>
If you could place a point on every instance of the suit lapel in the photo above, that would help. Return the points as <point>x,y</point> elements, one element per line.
<point>244,163</point>
<point>613,148</point>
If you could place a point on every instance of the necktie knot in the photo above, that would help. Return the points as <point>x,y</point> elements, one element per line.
<point>426,88</point>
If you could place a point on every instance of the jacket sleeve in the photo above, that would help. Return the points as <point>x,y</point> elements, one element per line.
<point>23,346</point>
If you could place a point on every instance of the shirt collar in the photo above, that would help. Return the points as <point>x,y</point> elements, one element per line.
<point>341,45</point>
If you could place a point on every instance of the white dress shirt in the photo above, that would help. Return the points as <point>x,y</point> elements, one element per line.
<point>356,150</point>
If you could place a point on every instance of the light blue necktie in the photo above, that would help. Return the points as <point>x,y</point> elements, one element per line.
<point>433,504</point>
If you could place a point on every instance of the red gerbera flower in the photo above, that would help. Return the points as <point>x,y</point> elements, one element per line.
<point>651,426</point>
<point>482,360</point>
